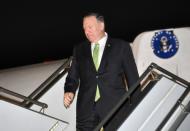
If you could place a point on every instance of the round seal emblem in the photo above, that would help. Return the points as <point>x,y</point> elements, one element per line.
<point>164,44</point>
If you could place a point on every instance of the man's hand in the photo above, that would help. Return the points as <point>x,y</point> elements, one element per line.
<point>68,99</point>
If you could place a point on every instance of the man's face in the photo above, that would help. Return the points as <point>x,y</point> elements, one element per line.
<point>93,28</point>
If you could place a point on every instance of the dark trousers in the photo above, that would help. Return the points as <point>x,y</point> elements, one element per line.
<point>91,122</point>
<point>114,122</point>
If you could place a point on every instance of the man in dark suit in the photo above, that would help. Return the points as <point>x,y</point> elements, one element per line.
<point>115,60</point>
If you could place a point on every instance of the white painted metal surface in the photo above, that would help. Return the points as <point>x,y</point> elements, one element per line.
<point>152,110</point>
<point>16,118</point>
<point>54,99</point>
<point>178,64</point>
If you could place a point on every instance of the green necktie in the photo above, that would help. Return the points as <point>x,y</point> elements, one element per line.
<point>96,63</point>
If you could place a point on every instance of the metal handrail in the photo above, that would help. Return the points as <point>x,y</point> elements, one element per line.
<point>135,86</point>
<point>48,83</point>
<point>43,105</point>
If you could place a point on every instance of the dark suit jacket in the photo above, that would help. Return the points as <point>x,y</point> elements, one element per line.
<point>117,60</point>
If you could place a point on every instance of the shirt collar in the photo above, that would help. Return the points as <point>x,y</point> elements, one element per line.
<point>103,40</point>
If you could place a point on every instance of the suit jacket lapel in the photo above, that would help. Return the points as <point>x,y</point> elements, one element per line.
<point>103,63</point>
<point>89,57</point>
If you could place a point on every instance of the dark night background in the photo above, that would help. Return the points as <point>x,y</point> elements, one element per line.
<point>39,31</point>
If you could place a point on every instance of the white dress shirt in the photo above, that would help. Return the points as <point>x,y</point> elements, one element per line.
<point>102,43</point>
